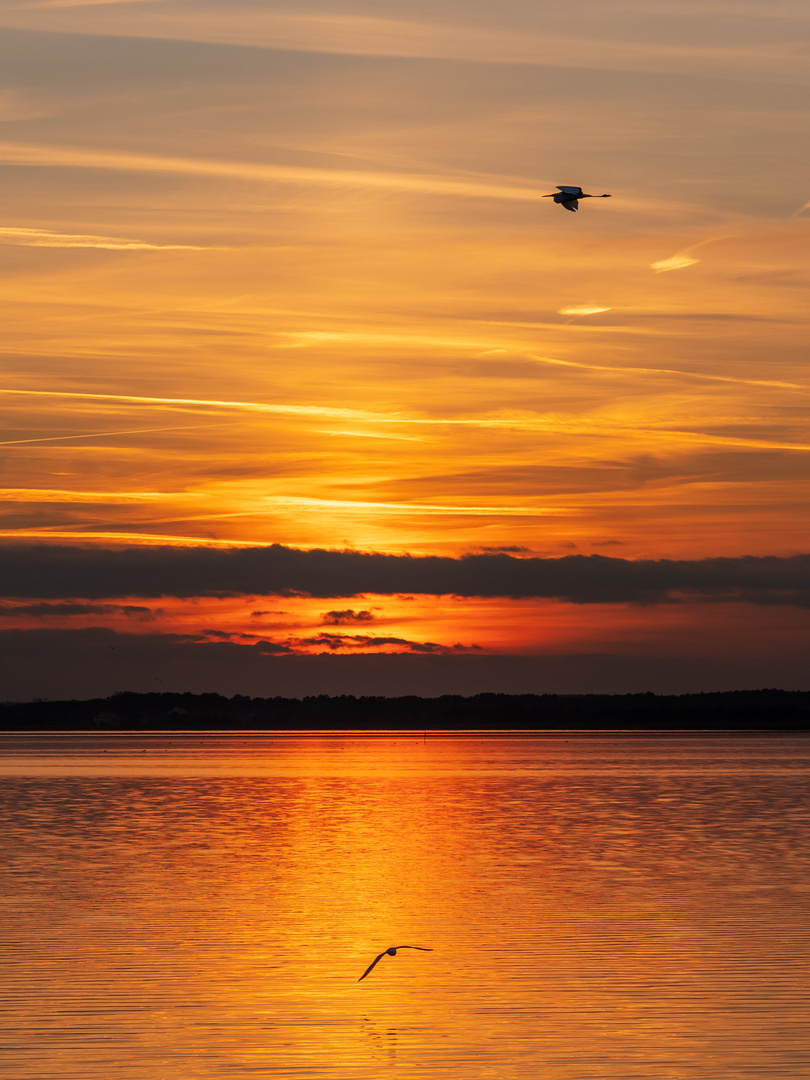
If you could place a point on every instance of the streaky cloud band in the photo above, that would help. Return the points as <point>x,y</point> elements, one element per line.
<point>84,158</point>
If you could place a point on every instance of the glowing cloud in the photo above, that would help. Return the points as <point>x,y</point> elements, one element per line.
<point>41,495</point>
<point>582,310</point>
<point>682,259</point>
<point>676,262</point>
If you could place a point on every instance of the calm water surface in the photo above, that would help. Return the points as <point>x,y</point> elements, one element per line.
<point>176,907</point>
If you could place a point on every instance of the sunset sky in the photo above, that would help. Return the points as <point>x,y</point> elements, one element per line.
<point>299,368</point>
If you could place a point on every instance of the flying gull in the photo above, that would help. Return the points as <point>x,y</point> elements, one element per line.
<point>389,952</point>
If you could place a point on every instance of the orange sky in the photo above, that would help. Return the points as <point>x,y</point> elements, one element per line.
<point>282,274</point>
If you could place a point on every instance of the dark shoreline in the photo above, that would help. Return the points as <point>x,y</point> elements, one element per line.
<point>737,710</point>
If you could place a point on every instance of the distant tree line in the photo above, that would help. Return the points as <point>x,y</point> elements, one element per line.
<point>774,710</point>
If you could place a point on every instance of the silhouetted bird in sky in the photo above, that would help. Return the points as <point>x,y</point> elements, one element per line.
<point>567,196</point>
<point>389,952</point>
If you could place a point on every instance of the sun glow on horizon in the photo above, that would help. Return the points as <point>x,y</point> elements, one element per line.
<point>352,322</point>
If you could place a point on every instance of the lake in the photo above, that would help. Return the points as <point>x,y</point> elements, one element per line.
<point>599,906</point>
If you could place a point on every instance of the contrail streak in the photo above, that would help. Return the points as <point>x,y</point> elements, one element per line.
<point>101,434</point>
<point>670,371</point>
<point>548,424</point>
<point>242,406</point>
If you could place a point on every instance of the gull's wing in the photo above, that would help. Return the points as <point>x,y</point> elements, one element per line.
<point>420,947</point>
<point>570,204</point>
<point>569,190</point>
<point>371,966</point>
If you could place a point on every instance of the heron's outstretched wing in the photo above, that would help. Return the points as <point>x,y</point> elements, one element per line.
<point>371,966</point>
<point>420,947</point>
<point>569,190</point>
<point>570,204</point>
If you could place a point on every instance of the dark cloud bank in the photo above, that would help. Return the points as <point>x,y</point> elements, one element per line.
<point>63,664</point>
<point>48,572</point>
<point>61,580</point>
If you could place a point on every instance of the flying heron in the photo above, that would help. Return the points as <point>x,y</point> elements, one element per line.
<point>567,196</point>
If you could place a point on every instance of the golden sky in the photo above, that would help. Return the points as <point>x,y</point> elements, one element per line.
<point>282,274</point>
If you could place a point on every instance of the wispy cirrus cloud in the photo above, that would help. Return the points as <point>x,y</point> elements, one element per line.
<point>516,38</point>
<point>98,434</point>
<point>58,495</point>
<point>510,422</point>
<point>83,158</point>
<point>33,5</point>
<point>47,239</point>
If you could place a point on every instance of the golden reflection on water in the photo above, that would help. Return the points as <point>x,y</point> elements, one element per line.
<point>603,906</point>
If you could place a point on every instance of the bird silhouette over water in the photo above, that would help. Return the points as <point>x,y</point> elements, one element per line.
<point>389,952</point>
<point>567,197</point>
